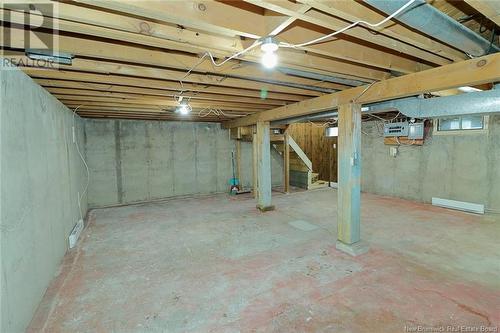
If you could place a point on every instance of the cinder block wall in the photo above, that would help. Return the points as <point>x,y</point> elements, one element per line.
<point>135,161</point>
<point>41,176</point>
<point>462,167</point>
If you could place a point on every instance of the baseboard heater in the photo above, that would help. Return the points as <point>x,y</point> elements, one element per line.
<point>75,233</point>
<point>459,205</point>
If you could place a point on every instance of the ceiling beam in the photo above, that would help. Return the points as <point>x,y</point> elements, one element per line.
<point>136,93</point>
<point>353,11</point>
<point>116,68</point>
<point>161,102</point>
<point>489,8</point>
<point>133,32</point>
<point>150,83</point>
<point>469,72</point>
<point>220,14</point>
<point>359,32</point>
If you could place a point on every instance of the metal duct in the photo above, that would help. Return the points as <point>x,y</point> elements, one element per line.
<point>321,77</point>
<point>483,102</point>
<point>431,21</point>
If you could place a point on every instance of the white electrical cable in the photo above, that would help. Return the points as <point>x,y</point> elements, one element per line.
<point>83,160</point>
<point>288,45</point>
<point>373,25</point>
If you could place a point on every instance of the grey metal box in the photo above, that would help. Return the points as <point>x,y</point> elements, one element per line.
<point>416,131</point>
<point>396,129</point>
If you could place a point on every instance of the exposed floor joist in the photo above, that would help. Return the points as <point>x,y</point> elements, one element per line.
<point>140,50</point>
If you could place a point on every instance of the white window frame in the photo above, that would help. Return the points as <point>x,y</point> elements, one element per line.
<point>484,130</point>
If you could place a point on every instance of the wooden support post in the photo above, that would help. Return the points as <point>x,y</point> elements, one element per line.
<point>238,155</point>
<point>286,163</point>
<point>263,146</point>
<point>254,164</point>
<point>349,180</point>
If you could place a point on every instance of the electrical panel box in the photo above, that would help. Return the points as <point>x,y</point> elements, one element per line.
<point>416,131</point>
<point>396,129</point>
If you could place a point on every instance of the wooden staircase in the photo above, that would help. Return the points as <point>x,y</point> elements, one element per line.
<point>301,168</point>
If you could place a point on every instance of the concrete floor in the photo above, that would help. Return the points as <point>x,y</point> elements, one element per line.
<point>215,264</point>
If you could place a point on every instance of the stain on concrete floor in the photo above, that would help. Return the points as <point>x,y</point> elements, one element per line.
<point>216,264</point>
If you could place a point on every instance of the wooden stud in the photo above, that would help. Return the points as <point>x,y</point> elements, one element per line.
<point>263,147</point>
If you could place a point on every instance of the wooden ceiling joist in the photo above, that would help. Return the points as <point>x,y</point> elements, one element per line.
<point>132,58</point>
<point>134,93</point>
<point>224,15</point>
<point>152,83</point>
<point>489,8</point>
<point>290,59</point>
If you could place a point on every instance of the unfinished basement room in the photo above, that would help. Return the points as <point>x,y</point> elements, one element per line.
<point>250,166</point>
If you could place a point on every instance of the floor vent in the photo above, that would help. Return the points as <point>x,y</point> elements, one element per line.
<point>459,205</point>
<point>75,233</point>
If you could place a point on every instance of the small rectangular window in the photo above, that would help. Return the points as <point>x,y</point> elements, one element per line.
<point>461,123</point>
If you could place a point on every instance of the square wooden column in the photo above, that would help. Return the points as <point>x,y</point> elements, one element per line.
<point>286,163</point>
<point>262,144</point>
<point>349,180</point>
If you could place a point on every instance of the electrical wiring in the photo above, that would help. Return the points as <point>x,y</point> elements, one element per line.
<point>404,144</point>
<point>289,45</point>
<point>328,123</point>
<point>352,25</point>
<point>355,99</point>
<point>385,120</point>
<point>83,160</point>
<point>212,59</point>
<point>217,112</point>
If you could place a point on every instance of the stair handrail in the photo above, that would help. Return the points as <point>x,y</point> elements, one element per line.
<point>300,152</point>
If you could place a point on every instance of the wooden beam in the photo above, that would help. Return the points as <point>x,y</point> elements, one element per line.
<point>359,32</point>
<point>286,163</point>
<point>470,72</point>
<point>163,102</point>
<point>489,8</point>
<point>255,157</point>
<point>216,16</point>
<point>134,93</point>
<point>263,147</point>
<point>349,183</point>
<point>287,58</point>
<point>238,155</point>
<point>111,67</point>
<point>151,83</point>
<point>288,21</point>
<point>355,11</point>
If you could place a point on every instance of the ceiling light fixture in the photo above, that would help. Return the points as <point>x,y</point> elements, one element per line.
<point>184,108</point>
<point>269,46</point>
<point>50,56</point>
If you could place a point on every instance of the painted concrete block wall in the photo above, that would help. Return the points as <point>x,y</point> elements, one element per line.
<point>460,167</point>
<point>134,161</point>
<point>41,175</point>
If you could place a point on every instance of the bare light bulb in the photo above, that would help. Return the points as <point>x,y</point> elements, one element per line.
<point>183,109</point>
<point>269,59</point>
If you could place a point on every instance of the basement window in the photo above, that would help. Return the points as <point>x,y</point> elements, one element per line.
<point>461,124</point>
